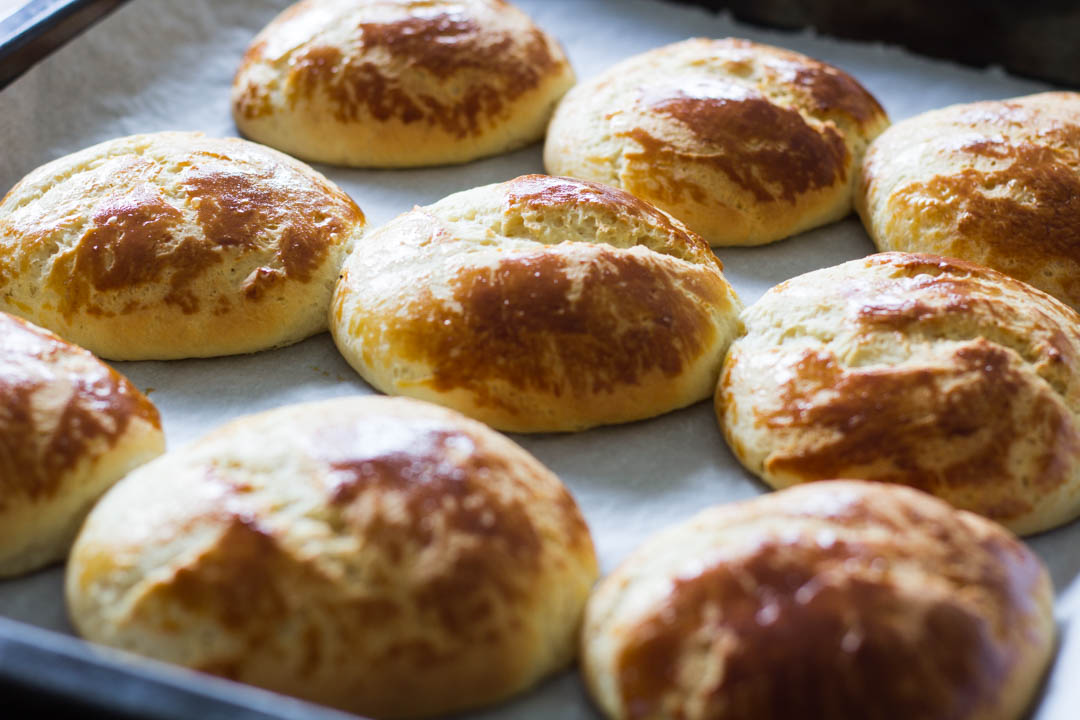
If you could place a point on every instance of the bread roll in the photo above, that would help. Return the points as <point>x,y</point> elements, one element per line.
<point>174,245</point>
<point>745,143</point>
<point>540,304</point>
<point>383,556</point>
<point>380,83</point>
<point>70,427</point>
<point>997,183</point>
<point>833,600</point>
<point>913,369</point>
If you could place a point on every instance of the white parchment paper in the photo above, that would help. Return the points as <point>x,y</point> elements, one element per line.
<point>167,65</point>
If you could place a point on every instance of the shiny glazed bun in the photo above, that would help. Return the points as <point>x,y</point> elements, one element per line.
<point>399,83</point>
<point>70,427</point>
<point>383,556</point>
<point>539,304</point>
<point>996,183</point>
<point>913,369</point>
<point>745,143</point>
<point>174,245</point>
<point>840,600</point>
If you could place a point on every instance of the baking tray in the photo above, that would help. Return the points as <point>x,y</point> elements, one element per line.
<point>158,65</point>
<point>40,26</point>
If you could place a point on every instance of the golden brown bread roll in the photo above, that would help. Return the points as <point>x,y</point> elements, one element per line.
<point>914,369</point>
<point>996,182</point>
<point>70,427</point>
<point>539,304</point>
<point>745,143</point>
<point>174,245</point>
<point>841,600</point>
<point>384,556</point>
<point>378,83</point>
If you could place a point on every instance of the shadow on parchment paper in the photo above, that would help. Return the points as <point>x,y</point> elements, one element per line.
<point>753,270</point>
<point>657,457</point>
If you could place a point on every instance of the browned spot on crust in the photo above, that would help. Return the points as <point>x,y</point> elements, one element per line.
<point>122,247</point>
<point>434,477</point>
<point>260,280</point>
<point>901,313</point>
<point>767,150</point>
<point>792,636</point>
<point>234,582</point>
<point>825,89</point>
<point>468,502</point>
<point>131,243</point>
<point>236,207</point>
<point>136,237</point>
<point>253,101</point>
<point>442,46</point>
<point>832,90</point>
<point>521,324</point>
<point>351,86</point>
<point>886,418</point>
<point>37,448</point>
<point>228,669</point>
<point>657,181</point>
<point>984,219</point>
<point>312,643</point>
<point>231,206</point>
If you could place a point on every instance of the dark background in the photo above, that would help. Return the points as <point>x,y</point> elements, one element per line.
<point>1033,38</point>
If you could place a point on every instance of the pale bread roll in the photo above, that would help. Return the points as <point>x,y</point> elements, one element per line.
<point>745,143</point>
<point>174,245</point>
<point>996,183</point>
<point>914,369</point>
<point>383,556</point>
<point>381,83</point>
<point>539,304</point>
<point>833,600</point>
<point>70,427</point>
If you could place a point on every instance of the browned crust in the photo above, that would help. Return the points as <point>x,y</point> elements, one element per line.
<point>138,237</point>
<point>36,451</point>
<point>766,150</point>
<point>884,418</point>
<point>519,325</point>
<point>825,91</point>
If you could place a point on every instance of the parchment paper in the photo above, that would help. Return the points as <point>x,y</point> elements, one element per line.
<point>160,65</point>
